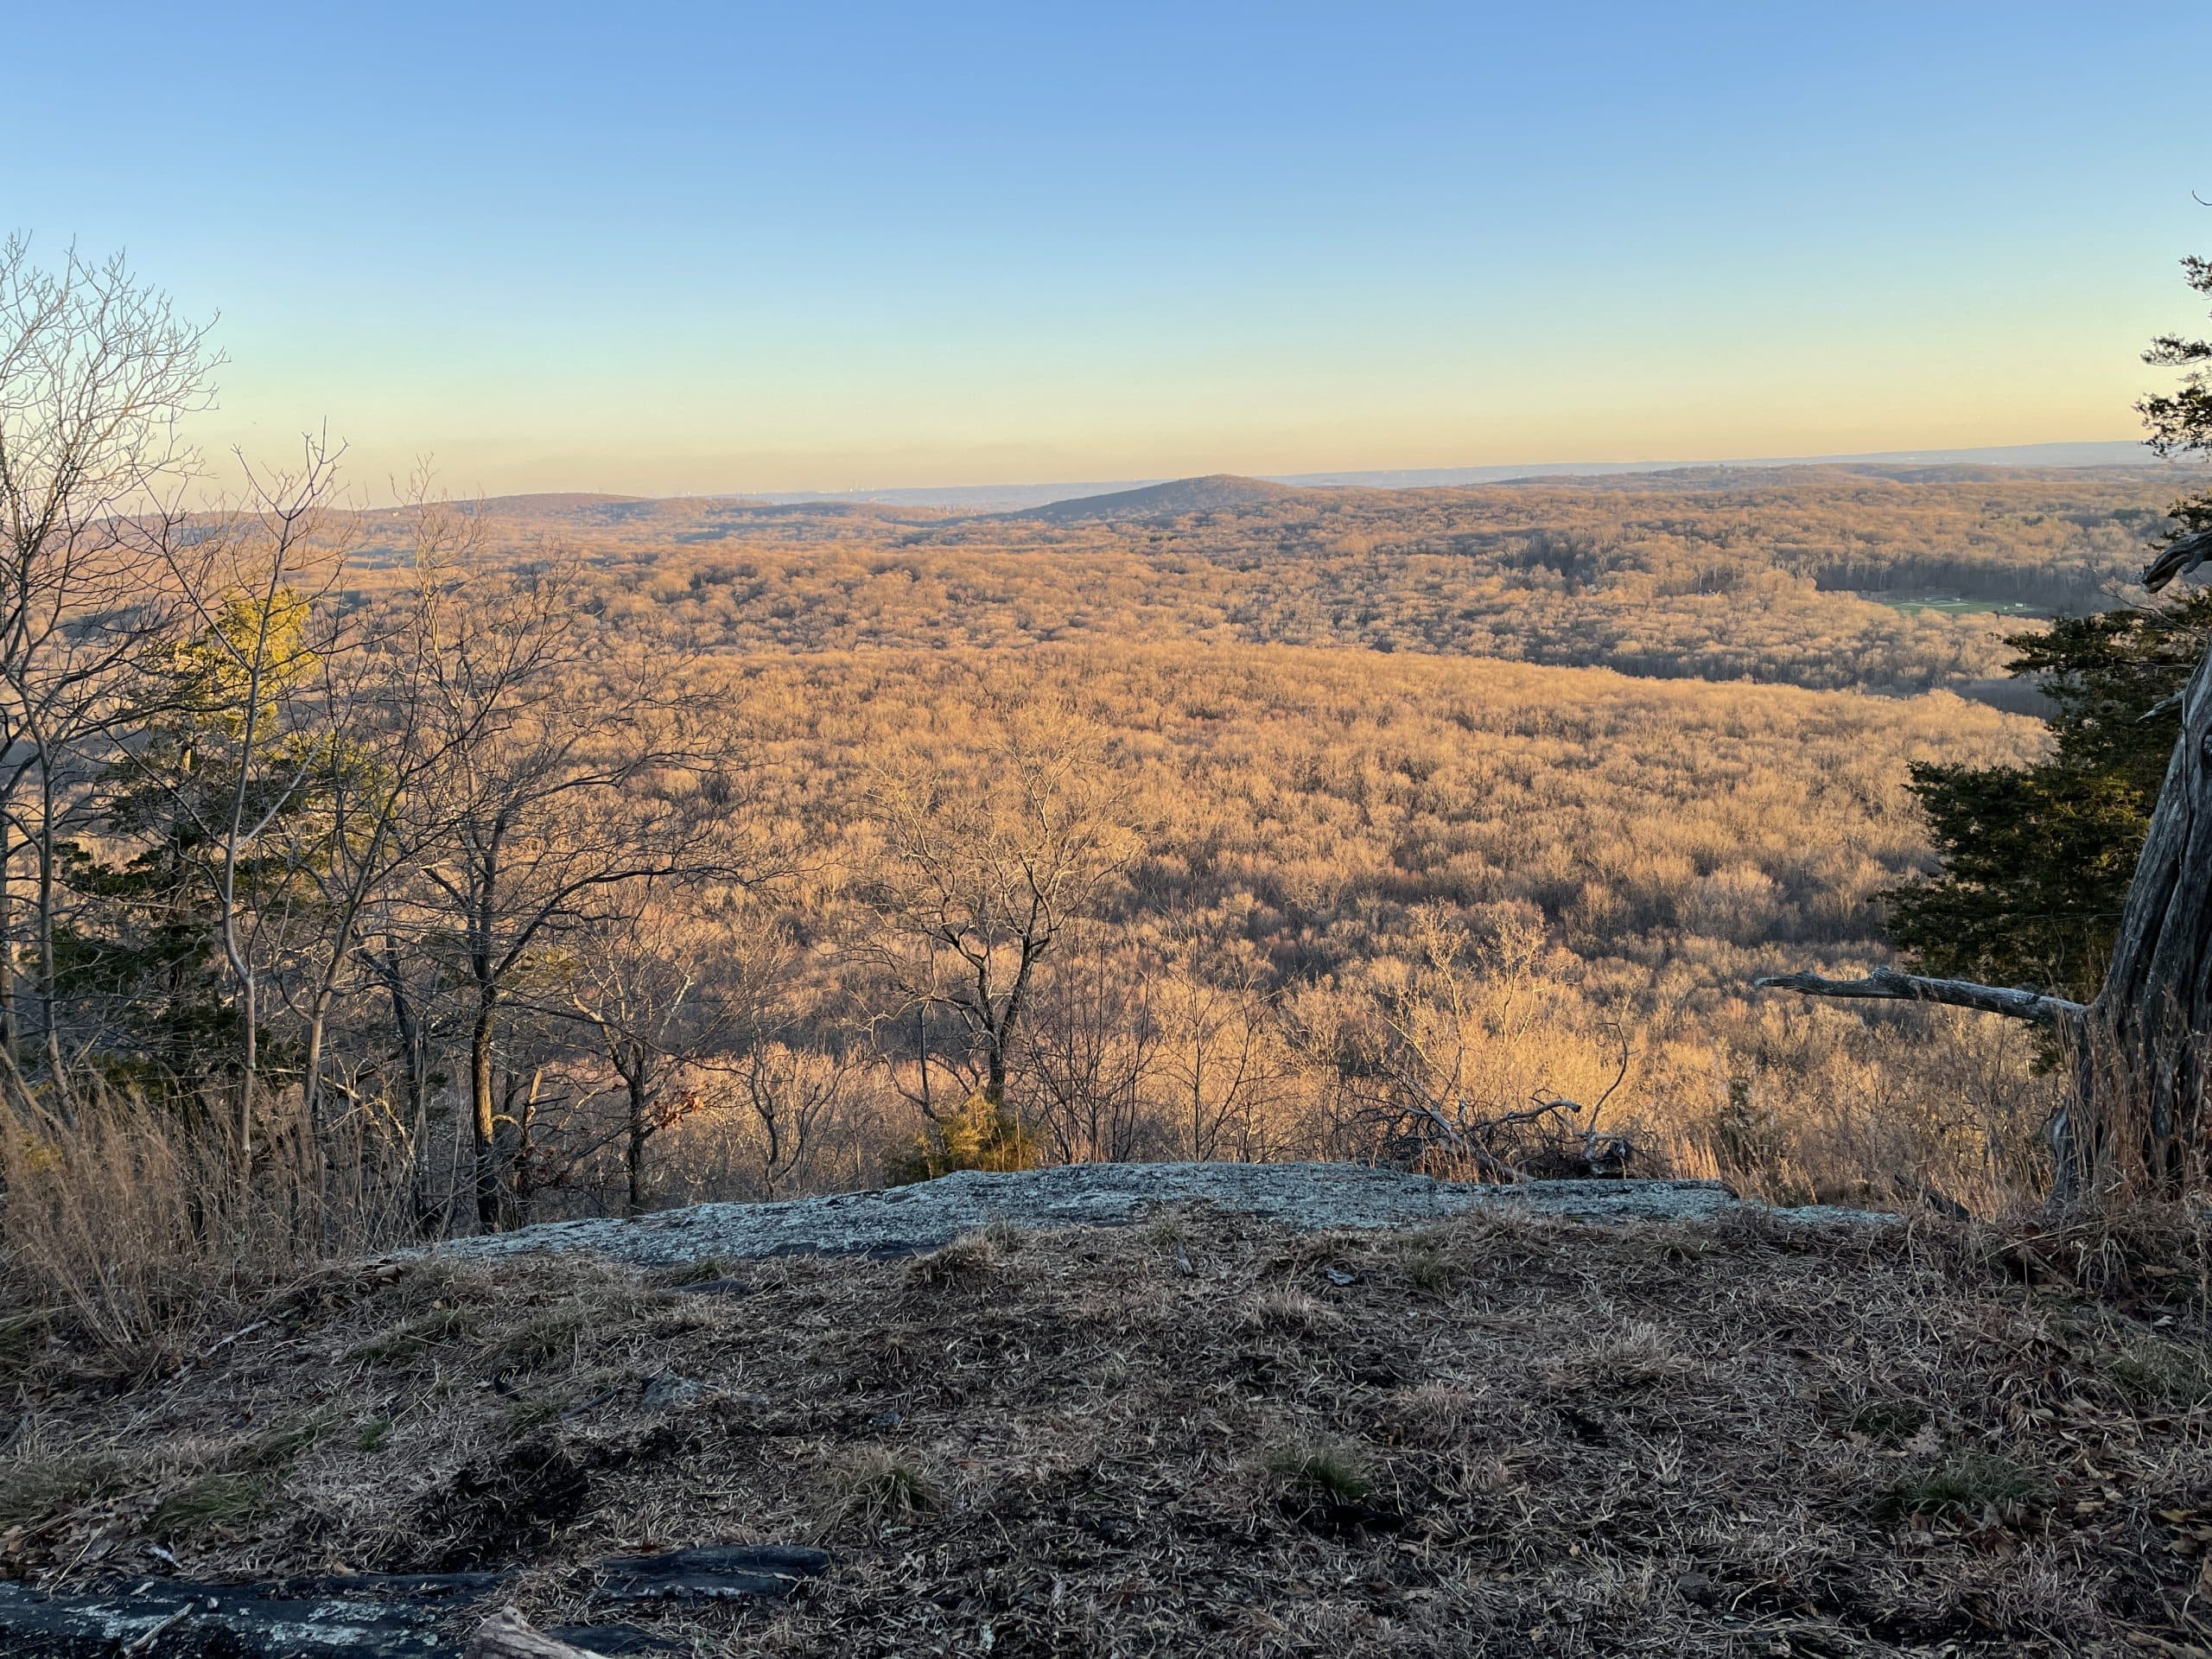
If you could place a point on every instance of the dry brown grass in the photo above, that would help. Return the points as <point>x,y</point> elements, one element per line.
<point>1496,1435</point>
<point>135,1230</point>
<point>127,1224</point>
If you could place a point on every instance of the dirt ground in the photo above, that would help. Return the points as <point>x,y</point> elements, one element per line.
<point>1496,1433</point>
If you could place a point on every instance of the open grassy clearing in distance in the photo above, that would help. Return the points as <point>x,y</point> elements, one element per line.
<point>1204,1435</point>
<point>1942,605</point>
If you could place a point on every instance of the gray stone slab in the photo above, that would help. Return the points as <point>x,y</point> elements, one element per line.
<point>906,1220</point>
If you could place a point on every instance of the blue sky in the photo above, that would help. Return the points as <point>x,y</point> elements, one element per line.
<point>664,247</point>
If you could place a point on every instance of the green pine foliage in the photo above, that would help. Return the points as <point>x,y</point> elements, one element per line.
<point>140,930</point>
<point>2036,861</point>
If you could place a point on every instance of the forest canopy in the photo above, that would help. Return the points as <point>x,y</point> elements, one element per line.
<point>1882,578</point>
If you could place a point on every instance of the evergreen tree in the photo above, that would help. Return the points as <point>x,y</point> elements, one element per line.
<point>143,951</point>
<point>2036,861</point>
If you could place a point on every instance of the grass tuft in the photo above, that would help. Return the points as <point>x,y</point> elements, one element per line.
<point>1637,1355</point>
<point>879,1486</point>
<point>968,1256</point>
<point>22,1335</point>
<point>415,1337</point>
<point>540,1341</point>
<point>2165,1373</point>
<point>211,1501</point>
<point>32,1488</point>
<point>1286,1310</point>
<point>1888,1420</point>
<point>283,1443</point>
<point>1432,1266</point>
<point>524,1416</point>
<point>1165,1229</point>
<point>245,1480</point>
<point>1970,1482</point>
<point>1327,1470</point>
<point>704,1271</point>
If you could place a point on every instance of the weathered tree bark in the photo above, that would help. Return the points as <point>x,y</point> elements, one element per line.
<point>382,1616</point>
<point>638,1130</point>
<point>2182,557</point>
<point>508,1634</point>
<point>2134,1119</point>
<point>483,1113</point>
<point>2140,1067</point>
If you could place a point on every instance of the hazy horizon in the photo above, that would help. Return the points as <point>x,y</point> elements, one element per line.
<point>997,494</point>
<point>2058,453</point>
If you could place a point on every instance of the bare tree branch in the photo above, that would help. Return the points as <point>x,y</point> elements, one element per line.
<point>1888,985</point>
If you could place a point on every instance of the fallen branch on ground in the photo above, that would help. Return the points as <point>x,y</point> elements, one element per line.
<point>508,1634</point>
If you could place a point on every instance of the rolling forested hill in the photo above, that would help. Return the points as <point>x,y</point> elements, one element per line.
<point>1884,578</point>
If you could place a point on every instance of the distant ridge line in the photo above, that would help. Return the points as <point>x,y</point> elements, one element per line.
<point>1214,492</point>
<point>1015,498</point>
<point>2116,452</point>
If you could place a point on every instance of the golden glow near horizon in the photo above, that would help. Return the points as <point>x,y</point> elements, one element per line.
<point>652,428</point>
<point>754,250</point>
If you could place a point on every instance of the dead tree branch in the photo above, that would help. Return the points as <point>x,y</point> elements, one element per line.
<point>1887,984</point>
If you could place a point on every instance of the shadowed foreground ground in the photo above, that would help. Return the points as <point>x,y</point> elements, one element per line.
<point>1495,1433</point>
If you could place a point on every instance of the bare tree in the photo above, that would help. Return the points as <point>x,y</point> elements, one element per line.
<point>797,1097</point>
<point>1219,1064</point>
<point>1092,1050</point>
<point>246,732</point>
<point>384,749</point>
<point>96,373</point>
<point>416,987</point>
<point>662,992</point>
<point>572,774</point>
<point>980,877</point>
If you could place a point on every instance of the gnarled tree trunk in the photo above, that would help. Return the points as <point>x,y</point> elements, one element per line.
<point>2139,1064</point>
<point>2135,1118</point>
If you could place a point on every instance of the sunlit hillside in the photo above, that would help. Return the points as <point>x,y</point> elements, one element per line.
<point>1886,579</point>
